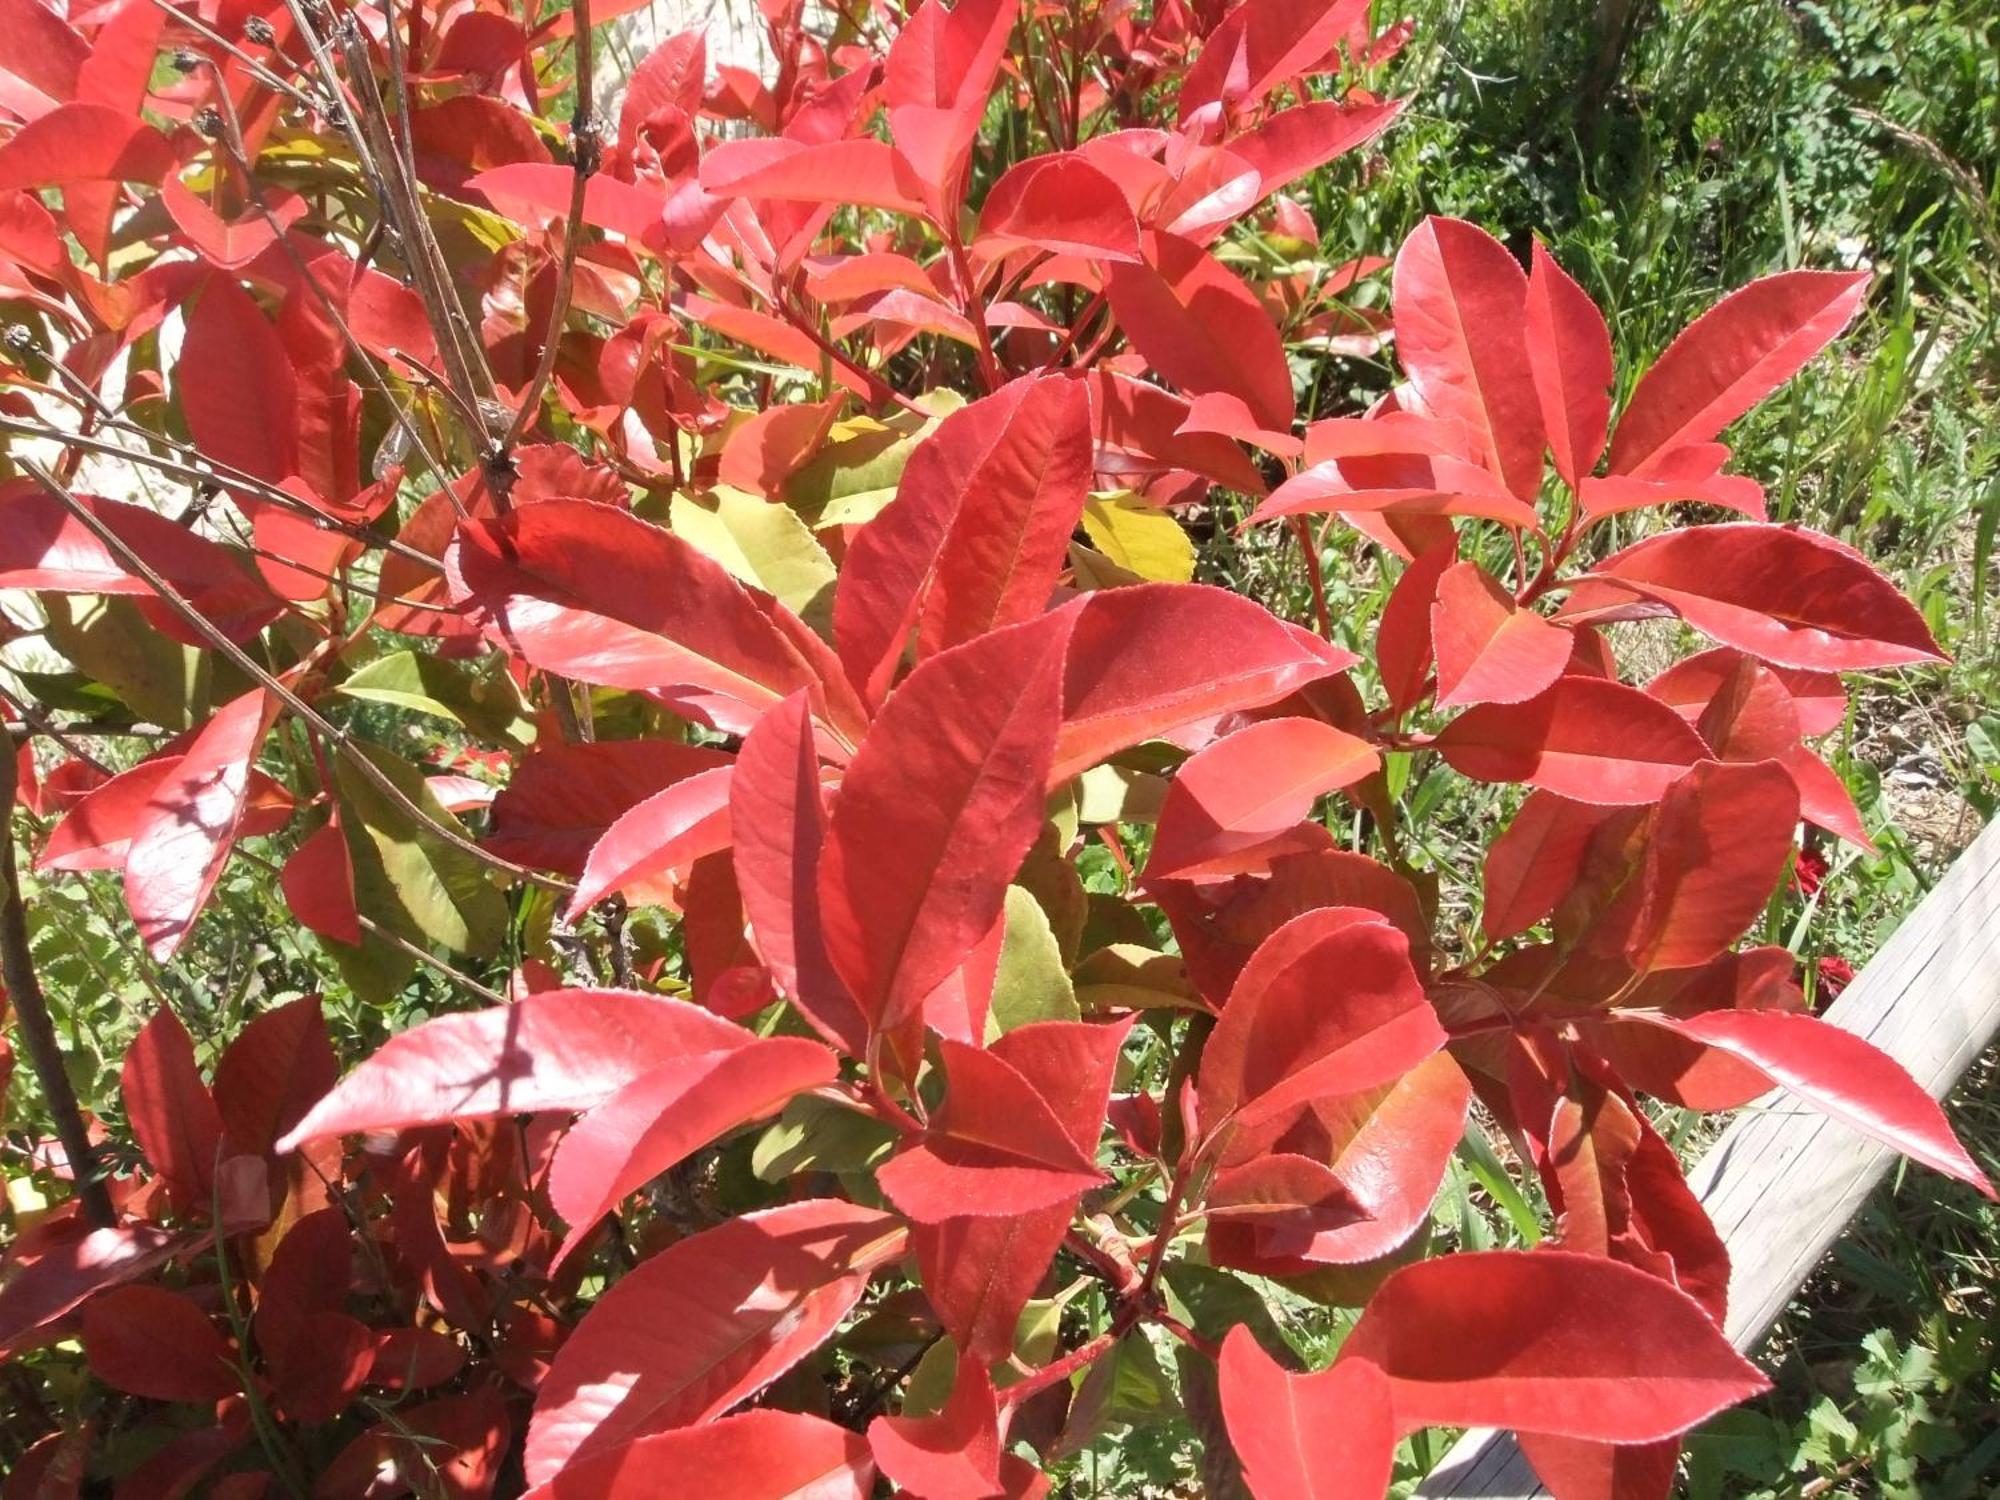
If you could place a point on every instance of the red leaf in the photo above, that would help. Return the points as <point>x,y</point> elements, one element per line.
<point>1569,357</point>
<point>562,797</point>
<point>668,831</point>
<point>318,883</point>
<point>1292,142</point>
<point>1279,1044</point>
<point>977,533</point>
<point>451,1447</point>
<point>84,142</point>
<point>1788,596</point>
<point>1201,328</point>
<point>940,70</point>
<point>1261,44</point>
<point>1328,1436</point>
<point>557,1050</point>
<point>931,826</point>
<point>172,1114</point>
<point>42,546</point>
<point>859,171</point>
<point>1461,306</point>
<point>1682,1072</point>
<point>993,1148</point>
<point>236,385</point>
<point>1692,474</point>
<point>1585,738</point>
<point>147,1341</point>
<point>1438,486</point>
<point>1151,658</point>
<point>1714,852</point>
<point>1060,204</point>
<point>1490,650</point>
<point>1384,1151</point>
<point>703,1325</point>
<point>270,1074</point>
<point>1839,1074</point>
<point>980,1272</point>
<point>1140,434</point>
<point>1602,1471</point>
<point>1403,639</point>
<point>598,595</point>
<point>753,1456</point>
<point>1536,861</point>
<point>1547,1341</point>
<point>952,1455</point>
<point>1249,787</point>
<point>668,1113</point>
<point>191,824</point>
<point>98,830</point>
<point>79,1263</point>
<point>1732,357</point>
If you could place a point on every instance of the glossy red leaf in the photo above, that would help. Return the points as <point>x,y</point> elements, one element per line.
<point>1692,474</point>
<point>1249,787</point>
<point>858,170</point>
<point>1579,1470</point>
<point>1201,328</point>
<point>77,1263</point>
<point>318,884</point>
<point>1442,485</point>
<point>1547,1341</point>
<point>953,1454</point>
<point>271,1073</point>
<point>1403,638</point>
<point>669,1112</point>
<point>1461,306</point>
<point>977,533</point>
<point>756,1455</point>
<point>1141,432</point>
<point>147,1341</point>
<point>1327,1436</point>
<point>1489,649</point>
<point>236,385</point>
<point>703,1325</point>
<point>1839,1074</point>
<point>1569,357</point>
<point>191,823</point>
<point>1536,860</point>
<point>1328,1004</point>
<point>669,831</point>
<point>940,69</point>
<point>1585,738</point>
<point>993,1148</point>
<point>1384,1151</point>
<point>778,817</point>
<point>1148,659</point>
<point>1061,204</point>
<point>1713,853</point>
<point>82,142</point>
<point>598,595</point>
<point>557,1050</point>
<point>172,1115</point>
<point>1292,142</point>
<point>1780,593</point>
<point>1262,44</point>
<point>1732,357</point>
<point>562,797</point>
<point>44,547</point>
<point>942,802</point>
<point>1020,500</point>
<point>979,1272</point>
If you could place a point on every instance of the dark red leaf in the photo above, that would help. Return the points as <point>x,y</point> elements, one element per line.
<point>271,1072</point>
<point>705,1324</point>
<point>147,1341</point>
<point>172,1115</point>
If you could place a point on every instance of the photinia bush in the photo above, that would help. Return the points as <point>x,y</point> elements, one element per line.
<point>921,960</point>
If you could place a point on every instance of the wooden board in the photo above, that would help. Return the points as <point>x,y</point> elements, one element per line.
<point>1782,1183</point>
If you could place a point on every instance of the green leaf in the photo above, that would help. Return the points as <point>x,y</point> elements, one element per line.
<point>817,1135</point>
<point>764,545</point>
<point>1030,983</point>
<point>408,878</point>
<point>484,701</point>
<point>857,469</point>
<point>1141,539</point>
<point>111,642</point>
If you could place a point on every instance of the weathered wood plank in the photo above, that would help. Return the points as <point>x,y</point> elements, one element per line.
<point>1783,1181</point>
